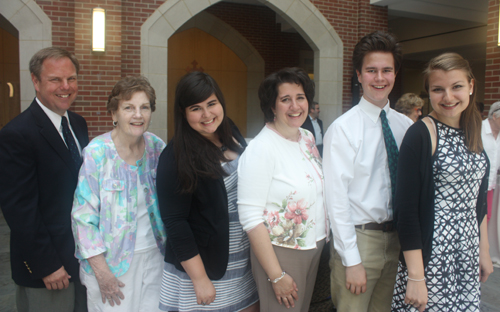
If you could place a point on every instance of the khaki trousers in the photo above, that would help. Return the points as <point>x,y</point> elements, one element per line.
<point>301,265</point>
<point>379,255</point>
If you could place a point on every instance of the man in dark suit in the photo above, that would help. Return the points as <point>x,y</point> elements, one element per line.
<point>315,125</point>
<point>40,157</point>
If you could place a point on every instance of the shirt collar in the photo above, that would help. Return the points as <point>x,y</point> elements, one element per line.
<point>372,110</point>
<point>54,117</point>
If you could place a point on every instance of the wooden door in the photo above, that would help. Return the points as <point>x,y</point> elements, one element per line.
<point>194,49</point>
<point>10,96</point>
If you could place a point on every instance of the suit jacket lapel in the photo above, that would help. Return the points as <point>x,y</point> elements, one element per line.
<point>52,136</point>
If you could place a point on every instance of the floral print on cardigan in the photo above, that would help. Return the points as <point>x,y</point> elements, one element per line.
<point>104,215</point>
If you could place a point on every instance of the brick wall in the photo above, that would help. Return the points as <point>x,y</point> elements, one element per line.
<point>71,29</point>
<point>351,20</point>
<point>492,75</point>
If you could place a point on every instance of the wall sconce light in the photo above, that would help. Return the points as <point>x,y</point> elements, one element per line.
<point>98,30</point>
<point>11,89</point>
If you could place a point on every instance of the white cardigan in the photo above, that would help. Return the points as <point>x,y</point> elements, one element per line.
<point>280,184</point>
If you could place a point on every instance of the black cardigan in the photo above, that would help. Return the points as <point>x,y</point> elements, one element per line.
<point>196,223</point>
<point>414,199</point>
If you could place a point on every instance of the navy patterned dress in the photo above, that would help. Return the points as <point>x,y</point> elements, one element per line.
<point>452,274</point>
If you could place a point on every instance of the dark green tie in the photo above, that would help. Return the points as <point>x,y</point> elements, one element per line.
<point>71,143</point>
<point>392,153</point>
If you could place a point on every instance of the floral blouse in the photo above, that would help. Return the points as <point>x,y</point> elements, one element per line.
<point>104,215</point>
<point>280,184</point>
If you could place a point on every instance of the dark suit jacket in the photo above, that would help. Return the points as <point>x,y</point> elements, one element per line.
<point>37,183</point>
<point>309,126</point>
<point>196,223</point>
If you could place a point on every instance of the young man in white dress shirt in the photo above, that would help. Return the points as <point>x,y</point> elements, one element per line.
<point>358,183</point>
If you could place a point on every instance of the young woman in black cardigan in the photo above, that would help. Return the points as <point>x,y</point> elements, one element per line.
<point>441,197</point>
<point>207,265</point>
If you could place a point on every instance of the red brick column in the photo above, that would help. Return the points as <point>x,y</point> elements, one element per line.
<point>492,75</point>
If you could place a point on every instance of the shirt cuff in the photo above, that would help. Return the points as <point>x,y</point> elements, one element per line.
<point>350,257</point>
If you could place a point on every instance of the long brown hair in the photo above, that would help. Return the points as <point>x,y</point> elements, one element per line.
<point>470,119</point>
<point>195,155</point>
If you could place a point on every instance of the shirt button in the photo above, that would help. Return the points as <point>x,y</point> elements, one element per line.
<point>145,190</point>
<point>140,163</point>
<point>151,215</point>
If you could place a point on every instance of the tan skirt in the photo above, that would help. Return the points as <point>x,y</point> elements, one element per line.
<point>301,265</point>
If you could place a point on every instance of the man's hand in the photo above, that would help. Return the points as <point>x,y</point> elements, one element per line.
<point>355,277</point>
<point>57,280</point>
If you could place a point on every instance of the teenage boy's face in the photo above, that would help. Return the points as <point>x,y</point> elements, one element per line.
<point>377,77</point>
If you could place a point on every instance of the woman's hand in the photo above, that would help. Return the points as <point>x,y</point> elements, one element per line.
<point>416,294</point>
<point>110,287</point>
<point>286,291</point>
<point>204,290</point>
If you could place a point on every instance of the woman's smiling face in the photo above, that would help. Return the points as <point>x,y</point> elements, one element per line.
<point>205,117</point>
<point>449,93</point>
<point>291,107</point>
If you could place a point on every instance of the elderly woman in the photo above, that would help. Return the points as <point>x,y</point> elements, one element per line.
<point>207,259</point>
<point>491,142</point>
<point>411,105</point>
<point>119,234</point>
<point>280,195</point>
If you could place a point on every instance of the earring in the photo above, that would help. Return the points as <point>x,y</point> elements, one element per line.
<point>115,123</point>
<point>470,93</point>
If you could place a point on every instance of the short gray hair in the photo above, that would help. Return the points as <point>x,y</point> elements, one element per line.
<point>494,110</point>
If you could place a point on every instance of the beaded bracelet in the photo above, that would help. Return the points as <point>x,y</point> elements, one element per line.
<point>278,278</point>
<point>416,280</point>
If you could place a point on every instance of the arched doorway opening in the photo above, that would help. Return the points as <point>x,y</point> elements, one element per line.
<point>10,95</point>
<point>302,14</point>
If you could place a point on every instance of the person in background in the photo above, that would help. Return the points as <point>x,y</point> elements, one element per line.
<point>280,195</point>
<point>315,125</point>
<point>441,195</point>
<point>207,260</point>
<point>118,231</point>
<point>411,105</point>
<point>40,158</point>
<point>361,152</point>
<point>491,143</point>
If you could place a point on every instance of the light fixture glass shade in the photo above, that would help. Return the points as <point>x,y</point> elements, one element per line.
<point>98,29</point>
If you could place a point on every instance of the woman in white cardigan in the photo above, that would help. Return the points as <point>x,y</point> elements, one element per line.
<point>280,195</point>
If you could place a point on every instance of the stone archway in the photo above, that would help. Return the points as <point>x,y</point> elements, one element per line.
<point>35,33</point>
<point>302,14</point>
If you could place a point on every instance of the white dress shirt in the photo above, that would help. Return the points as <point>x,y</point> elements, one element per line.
<point>56,120</point>
<point>357,178</point>
<point>491,147</point>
